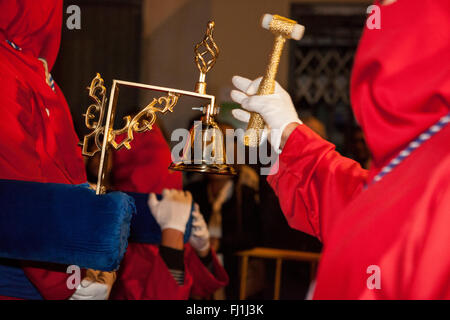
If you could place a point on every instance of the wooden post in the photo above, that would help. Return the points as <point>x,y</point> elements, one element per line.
<point>244,267</point>
<point>276,294</point>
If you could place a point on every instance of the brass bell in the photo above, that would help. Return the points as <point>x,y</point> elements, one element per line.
<point>205,150</point>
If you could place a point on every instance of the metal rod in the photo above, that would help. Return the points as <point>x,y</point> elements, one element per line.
<point>101,168</point>
<point>164,89</point>
<point>276,294</point>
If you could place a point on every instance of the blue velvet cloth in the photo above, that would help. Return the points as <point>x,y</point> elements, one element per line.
<point>66,224</point>
<point>144,228</point>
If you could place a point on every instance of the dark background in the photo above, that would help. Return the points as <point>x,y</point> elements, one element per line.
<point>109,43</point>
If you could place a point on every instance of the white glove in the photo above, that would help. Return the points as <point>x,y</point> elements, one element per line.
<point>199,239</point>
<point>173,211</point>
<point>90,290</point>
<point>276,109</point>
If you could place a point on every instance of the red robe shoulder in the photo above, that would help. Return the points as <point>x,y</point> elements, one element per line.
<point>38,143</point>
<point>397,226</point>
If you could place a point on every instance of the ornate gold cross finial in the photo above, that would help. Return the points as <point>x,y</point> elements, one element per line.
<point>206,54</point>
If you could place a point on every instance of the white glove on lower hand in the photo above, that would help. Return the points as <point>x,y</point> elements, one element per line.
<point>276,109</point>
<point>91,290</point>
<point>173,210</point>
<point>199,239</point>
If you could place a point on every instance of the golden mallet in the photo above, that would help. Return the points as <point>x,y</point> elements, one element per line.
<point>283,28</point>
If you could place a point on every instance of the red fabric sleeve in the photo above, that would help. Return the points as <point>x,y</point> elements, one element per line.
<point>204,282</point>
<point>19,159</point>
<point>144,275</point>
<point>314,182</point>
<point>431,261</point>
<point>35,146</point>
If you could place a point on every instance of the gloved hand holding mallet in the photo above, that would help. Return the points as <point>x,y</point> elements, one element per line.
<point>283,29</point>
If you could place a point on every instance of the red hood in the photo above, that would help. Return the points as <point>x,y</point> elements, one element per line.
<point>401,77</point>
<point>144,168</point>
<point>33,25</point>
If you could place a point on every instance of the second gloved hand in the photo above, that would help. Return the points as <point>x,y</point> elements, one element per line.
<point>89,290</point>
<point>199,239</point>
<point>173,210</point>
<point>276,109</point>
<point>95,286</point>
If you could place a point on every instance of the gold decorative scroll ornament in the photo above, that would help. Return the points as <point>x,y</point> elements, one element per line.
<point>141,122</point>
<point>97,92</point>
<point>144,120</point>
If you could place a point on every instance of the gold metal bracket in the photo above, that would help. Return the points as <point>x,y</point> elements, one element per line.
<point>141,122</point>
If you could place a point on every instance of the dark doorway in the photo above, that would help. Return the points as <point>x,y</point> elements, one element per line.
<point>108,43</point>
<point>321,63</point>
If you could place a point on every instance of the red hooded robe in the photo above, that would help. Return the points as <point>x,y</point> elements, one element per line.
<point>38,142</point>
<point>397,228</point>
<point>143,273</point>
